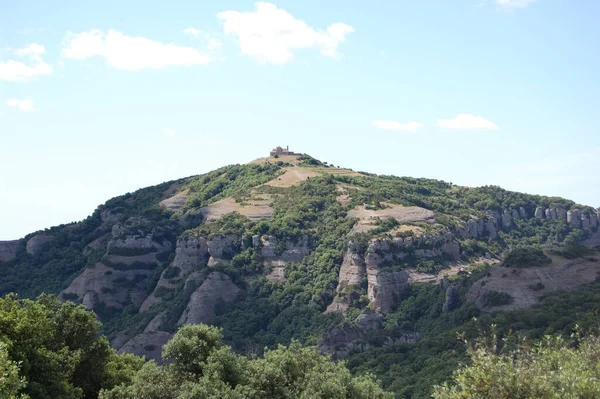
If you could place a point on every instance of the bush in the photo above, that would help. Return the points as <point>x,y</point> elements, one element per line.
<point>552,369</point>
<point>574,251</point>
<point>526,257</point>
<point>537,287</point>
<point>497,298</point>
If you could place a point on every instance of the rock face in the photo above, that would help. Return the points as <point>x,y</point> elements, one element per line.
<point>37,242</point>
<point>574,218</point>
<point>191,253</point>
<point>352,271</point>
<point>109,217</point>
<point>539,213</point>
<point>340,342</point>
<point>292,252</point>
<point>147,344</point>
<point>386,288</point>
<point>215,292</point>
<point>8,250</point>
<point>221,248</point>
<point>452,298</point>
<point>113,288</point>
<point>121,276</point>
<point>369,320</point>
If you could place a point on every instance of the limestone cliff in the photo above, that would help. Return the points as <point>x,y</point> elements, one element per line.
<point>216,292</point>
<point>276,256</point>
<point>120,277</point>
<point>191,253</point>
<point>37,242</point>
<point>8,250</point>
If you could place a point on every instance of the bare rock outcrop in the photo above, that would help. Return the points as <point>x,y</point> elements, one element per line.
<point>191,253</point>
<point>8,250</point>
<point>113,288</point>
<point>36,243</point>
<point>574,218</point>
<point>215,292</point>
<point>109,216</point>
<point>221,249</point>
<point>593,221</point>
<point>369,320</point>
<point>352,271</point>
<point>276,258</point>
<point>147,344</point>
<point>506,220</point>
<point>539,213</point>
<point>342,341</point>
<point>386,288</point>
<point>452,298</point>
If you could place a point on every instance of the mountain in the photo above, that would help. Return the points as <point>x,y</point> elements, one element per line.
<point>381,271</point>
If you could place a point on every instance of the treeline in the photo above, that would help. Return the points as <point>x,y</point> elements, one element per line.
<point>50,350</point>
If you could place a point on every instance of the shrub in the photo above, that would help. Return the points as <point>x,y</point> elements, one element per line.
<point>526,257</point>
<point>537,286</point>
<point>497,298</point>
<point>574,251</point>
<point>172,271</point>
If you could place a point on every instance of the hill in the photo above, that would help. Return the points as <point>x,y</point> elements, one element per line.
<point>379,270</point>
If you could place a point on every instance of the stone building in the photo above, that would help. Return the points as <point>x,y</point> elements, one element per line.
<point>281,151</point>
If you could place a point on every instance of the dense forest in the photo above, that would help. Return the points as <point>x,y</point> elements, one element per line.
<point>265,341</point>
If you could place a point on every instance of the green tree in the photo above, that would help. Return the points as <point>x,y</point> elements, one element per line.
<point>10,382</point>
<point>553,368</point>
<point>58,349</point>
<point>201,367</point>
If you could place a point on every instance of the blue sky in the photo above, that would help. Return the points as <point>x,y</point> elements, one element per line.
<point>101,98</point>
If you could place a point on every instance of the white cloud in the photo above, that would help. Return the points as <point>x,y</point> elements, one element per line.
<point>211,41</point>
<point>18,71</point>
<point>467,122</point>
<point>33,51</point>
<point>23,105</point>
<point>129,52</point>
<point>270,34</point>
<point>514,3</point>
<point>192,32</point>
<point>169,131</point>
<point>392,125</point>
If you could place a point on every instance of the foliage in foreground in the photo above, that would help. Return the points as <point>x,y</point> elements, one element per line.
<point>200,366</point>
<point>50,349</point>
<point>553,368</point>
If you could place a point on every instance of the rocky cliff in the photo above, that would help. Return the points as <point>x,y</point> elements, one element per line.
<point>121,276</point>
<point>8,250</point>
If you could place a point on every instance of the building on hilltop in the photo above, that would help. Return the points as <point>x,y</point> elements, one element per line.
<point>281,151</point>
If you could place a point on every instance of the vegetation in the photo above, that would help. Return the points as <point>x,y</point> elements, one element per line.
<point>52,350</point>
<point>553,368</point>
<point>497,298</point>
<point>526,257</point>
<point>268,314</point>
<point>200,366</point>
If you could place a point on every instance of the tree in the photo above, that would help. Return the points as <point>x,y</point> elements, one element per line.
<point>201,367</point>
<point>554,368</point>
<point>58,349</point>
<point>10,382</point>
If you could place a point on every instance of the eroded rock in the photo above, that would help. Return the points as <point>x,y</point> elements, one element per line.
<point>37,242</point>
<point>8,250</point>
<point>216,292</point>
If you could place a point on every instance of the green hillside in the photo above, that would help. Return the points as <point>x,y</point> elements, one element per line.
<point>380,271</point>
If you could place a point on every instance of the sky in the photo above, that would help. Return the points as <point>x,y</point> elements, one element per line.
<point>102,98</point>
